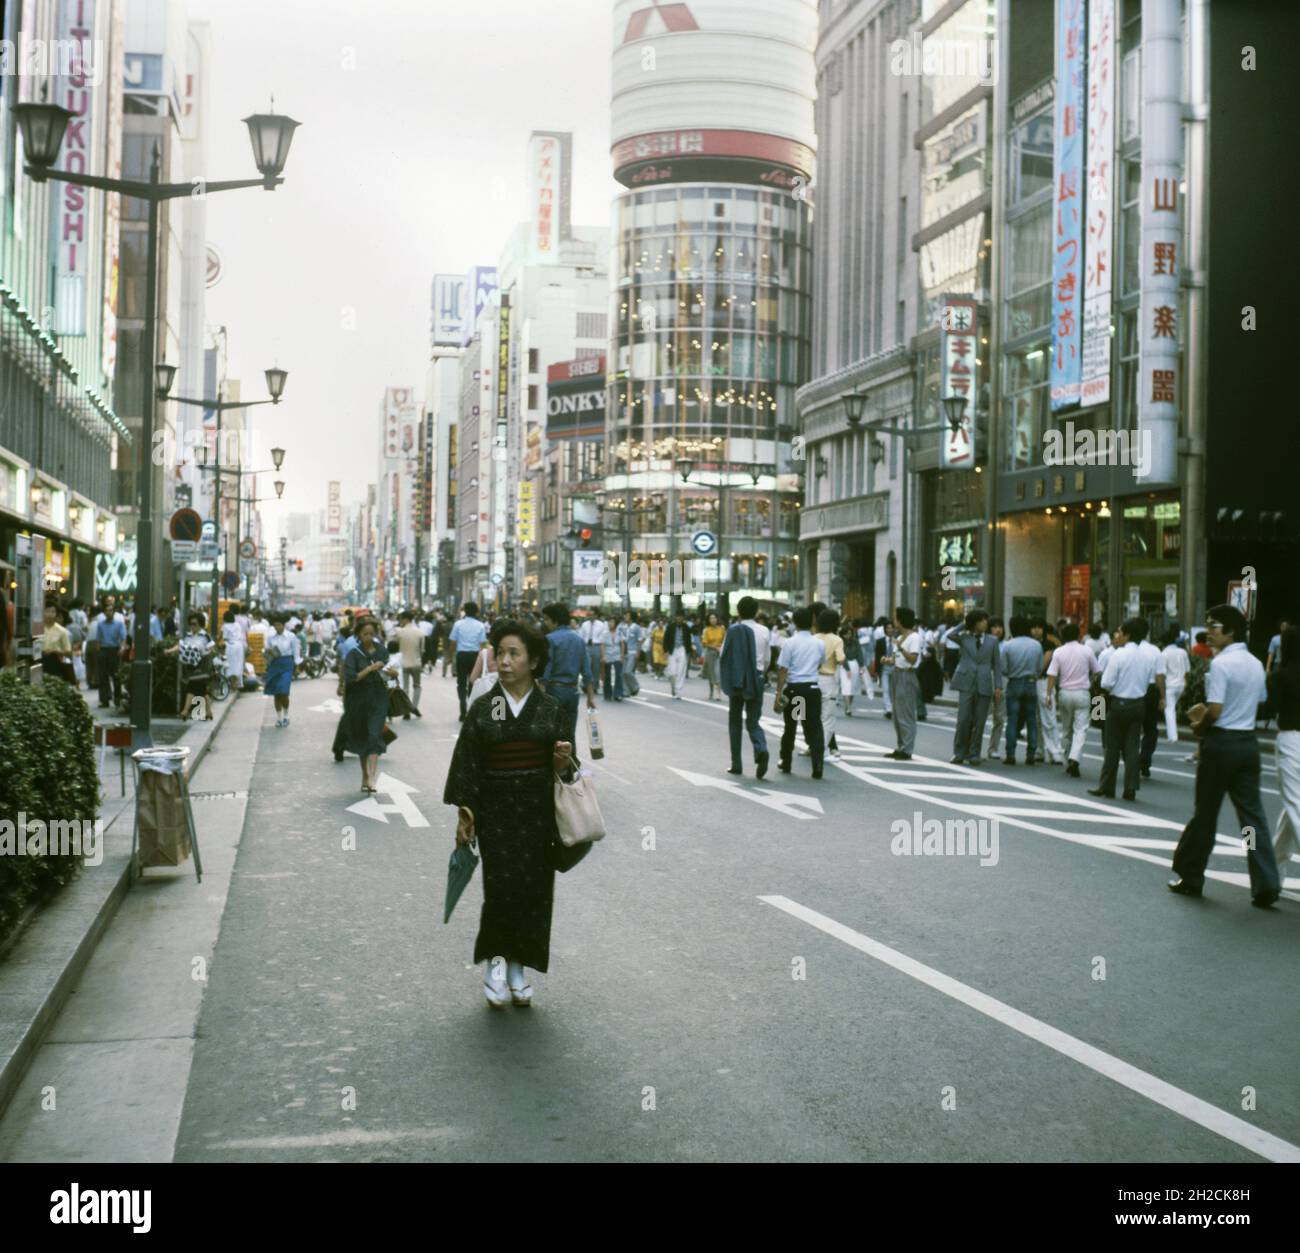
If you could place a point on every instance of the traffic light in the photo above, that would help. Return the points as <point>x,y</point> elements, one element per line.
<point>300,564</point>
<point>585,536</point>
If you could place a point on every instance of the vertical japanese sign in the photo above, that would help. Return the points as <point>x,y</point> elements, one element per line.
<point>483,446</point>
<point>333,509</point>
<point>524,517</point>
<point>1095,383</point>
<point>111,200</point>
<point>1067,183</point>
<point>1076,584</point>
<point>500,484</point>
<point>1162,150</point>
<point>545,161</point>
<point>960,348</point>
<point>71,229</point>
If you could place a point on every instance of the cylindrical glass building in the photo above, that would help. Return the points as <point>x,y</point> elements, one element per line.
<point>711,320</point>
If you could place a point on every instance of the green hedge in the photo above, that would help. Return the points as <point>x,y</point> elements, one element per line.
<point>48,771</point>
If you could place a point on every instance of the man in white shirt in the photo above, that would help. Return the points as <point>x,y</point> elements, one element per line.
<point>909,646</point>
<point>1097,640</point>
<point>1128,674</point>
<point>798,696</point>
<point>1151,714</point>
<point>1177,664</point>
<point>1229,762</point>
<point>597,636</point>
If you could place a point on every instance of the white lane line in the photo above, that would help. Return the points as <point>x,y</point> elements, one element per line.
<point>1255,1140</point>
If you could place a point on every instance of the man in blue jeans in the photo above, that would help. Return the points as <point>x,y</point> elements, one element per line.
<point>567,668</point>
<point>612,653</point>
<point>1022,659</point>
<point>741,675</point>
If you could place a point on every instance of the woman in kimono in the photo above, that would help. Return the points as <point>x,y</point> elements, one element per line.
<point>283,652</point>
<point>365,701</point>
<point>502,781</point>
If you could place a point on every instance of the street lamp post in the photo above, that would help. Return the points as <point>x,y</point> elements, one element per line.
<point>43,126</point>
<point>954,408</point>
<point>275,381</point>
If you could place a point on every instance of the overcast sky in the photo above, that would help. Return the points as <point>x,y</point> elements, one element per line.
<point>410,164</point>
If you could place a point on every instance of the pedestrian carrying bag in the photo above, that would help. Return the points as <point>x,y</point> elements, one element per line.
<point>577,815</point>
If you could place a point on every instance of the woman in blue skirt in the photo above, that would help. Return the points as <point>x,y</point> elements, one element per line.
<point>365,700</point>
<point>283,653</point>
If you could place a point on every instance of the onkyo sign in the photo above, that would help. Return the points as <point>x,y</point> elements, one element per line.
<point>575,399</point>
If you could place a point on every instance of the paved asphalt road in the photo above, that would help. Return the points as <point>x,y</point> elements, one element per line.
<point>743,971</point>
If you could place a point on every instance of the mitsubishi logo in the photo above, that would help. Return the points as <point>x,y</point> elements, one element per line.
<point>669,17</point>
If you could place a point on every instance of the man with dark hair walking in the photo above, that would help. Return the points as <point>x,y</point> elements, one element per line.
<point>801,658</point>
<point>567,669</point>
<point>468,637</point>
<point>1069,678</point>
<point>741,673</point>
<point>1229,762</point>
<point>1130,671</point>
<point>1022,659</point>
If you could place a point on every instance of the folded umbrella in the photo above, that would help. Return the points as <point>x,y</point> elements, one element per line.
<point>460,870</point>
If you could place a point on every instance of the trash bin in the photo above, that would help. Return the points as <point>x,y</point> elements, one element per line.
<point>164,822</point>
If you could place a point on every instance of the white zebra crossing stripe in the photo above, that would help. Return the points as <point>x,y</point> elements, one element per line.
<point>1039,805</point>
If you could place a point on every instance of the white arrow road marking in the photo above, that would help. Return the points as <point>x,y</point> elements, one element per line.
<point>331,705</point>
<point>1219,1121</point>
<point>783,802</point>
<point>402,803</point>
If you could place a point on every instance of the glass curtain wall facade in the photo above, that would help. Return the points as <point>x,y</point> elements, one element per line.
<point>711,333</point>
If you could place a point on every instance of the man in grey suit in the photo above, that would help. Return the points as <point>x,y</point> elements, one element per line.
<point>977,677</point>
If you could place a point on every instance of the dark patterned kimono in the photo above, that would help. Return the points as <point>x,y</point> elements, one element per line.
<point>502,771</point>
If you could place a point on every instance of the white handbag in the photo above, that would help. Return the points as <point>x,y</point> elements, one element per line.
<point>577,815</point>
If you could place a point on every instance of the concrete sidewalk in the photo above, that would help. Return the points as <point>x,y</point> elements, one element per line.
<point>43,964</point>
